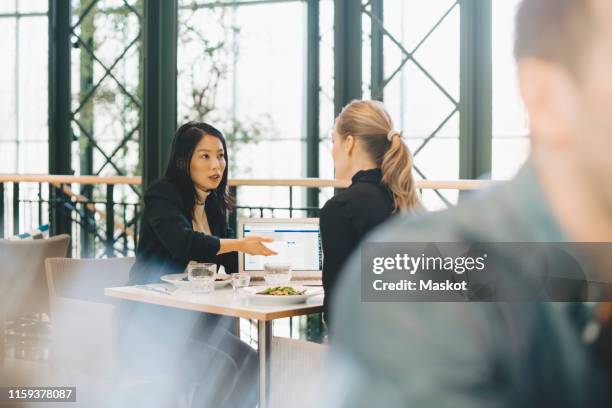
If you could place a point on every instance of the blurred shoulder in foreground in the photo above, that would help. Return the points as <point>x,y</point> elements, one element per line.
<point>464,354</point>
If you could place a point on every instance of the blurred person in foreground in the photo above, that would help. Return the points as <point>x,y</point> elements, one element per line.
<point>503,354</point>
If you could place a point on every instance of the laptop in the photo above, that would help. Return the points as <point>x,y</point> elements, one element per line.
<point>297,241</point>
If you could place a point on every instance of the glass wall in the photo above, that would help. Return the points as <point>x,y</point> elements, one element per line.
<point>23,88</point>
<point>106,86</point>
<point>106,110</point>
<point>326,94</point>
<point>510,124</point>
<point>242,67</point>
<point>421,83</point>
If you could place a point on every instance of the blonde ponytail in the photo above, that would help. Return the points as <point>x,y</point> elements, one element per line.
<point>369,122</point>
<point>396,169</point>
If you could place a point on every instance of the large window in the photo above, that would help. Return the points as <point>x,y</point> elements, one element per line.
<point>243,68</point>
<point>510,125</point>
<point>106,86</point>
<point>106,108</point>
<point>421,83</point>
<point>23,88</point>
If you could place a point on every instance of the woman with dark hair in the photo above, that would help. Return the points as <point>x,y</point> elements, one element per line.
<point>183,220</point>
<point>184,216</point>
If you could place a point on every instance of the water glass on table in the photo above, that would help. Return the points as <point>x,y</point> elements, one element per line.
<point>277,274</point>
<point>202,277</point>
<point>240,280</point>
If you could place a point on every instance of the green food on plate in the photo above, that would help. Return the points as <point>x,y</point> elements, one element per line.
<point>281,291</point>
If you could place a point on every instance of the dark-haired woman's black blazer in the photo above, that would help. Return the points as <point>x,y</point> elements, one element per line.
<point>167,241</point>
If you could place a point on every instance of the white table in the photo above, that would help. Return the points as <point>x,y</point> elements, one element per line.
<point>224,302</point>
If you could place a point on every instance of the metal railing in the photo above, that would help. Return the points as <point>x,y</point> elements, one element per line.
<point>102,213</point>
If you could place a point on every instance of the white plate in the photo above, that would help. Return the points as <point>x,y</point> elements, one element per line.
<point>177,280</point>
<point>253,293</point>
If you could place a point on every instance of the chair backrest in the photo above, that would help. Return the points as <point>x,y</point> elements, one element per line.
<point>85,279</point>
<point>23,287</point>
<point>295,371</point>
<point>83,318</point>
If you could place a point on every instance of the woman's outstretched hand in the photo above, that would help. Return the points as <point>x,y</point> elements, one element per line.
<point>253,245</point>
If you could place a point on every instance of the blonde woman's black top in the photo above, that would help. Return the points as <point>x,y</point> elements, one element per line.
<point>345,219</point>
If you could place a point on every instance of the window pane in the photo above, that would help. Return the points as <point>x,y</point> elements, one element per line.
<point>422,90</point>
<point>33,157</point>
<point>33,89</point>
<point>510,124</point>
<point>7,85</point>
<point>106,94</point>
<point>326,95</point>
<point>8,155</point>
<point>31,6</point>
<point>439,150</point>
<point>268,160</point>
<point>251,71</point>
<point>7,7</point>
<point>412,20</point>
<point>326,165</point>
<point>509,153</point>
<point>23,94</point>
<point>242,69</point>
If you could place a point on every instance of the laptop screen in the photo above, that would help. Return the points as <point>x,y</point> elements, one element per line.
<point>297,243</point>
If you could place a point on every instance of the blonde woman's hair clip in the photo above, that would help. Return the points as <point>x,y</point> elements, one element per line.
<point>391,134</point>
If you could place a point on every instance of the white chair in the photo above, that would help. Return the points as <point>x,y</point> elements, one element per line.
<point>24,296</point>
<point>295,371</point>
<point>84,322</point>
<point>22,273</point>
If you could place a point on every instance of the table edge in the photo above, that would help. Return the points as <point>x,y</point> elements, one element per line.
<point>163,300</point>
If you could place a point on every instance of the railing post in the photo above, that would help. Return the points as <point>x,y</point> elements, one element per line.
<point>51,208</point>
<point>1,211</point>
<point>135,237</point>
<point>61,222</point>
<point>110,220</point>
<point>40,201</point>
<point>125,227</point>
<point>88,223</point>
<point>290,201</point>
<point>15,208</point>
<point>314,327</point>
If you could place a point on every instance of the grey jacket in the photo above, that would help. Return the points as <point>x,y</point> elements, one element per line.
<point>464,354</point>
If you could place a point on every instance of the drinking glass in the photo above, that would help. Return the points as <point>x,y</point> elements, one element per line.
<point>202,276</point>
<point>240,280</point>
<point>277,274</point>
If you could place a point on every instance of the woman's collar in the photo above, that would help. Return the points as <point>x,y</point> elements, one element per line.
<point>370,175</point>
<point>202,195</point>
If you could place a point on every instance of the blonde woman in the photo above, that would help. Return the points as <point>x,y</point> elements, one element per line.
<point>370,152</point>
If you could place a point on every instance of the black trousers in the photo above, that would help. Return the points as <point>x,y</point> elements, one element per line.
<point>173,354</point>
